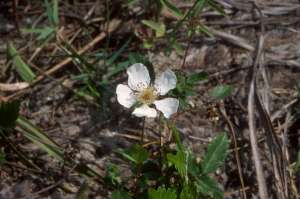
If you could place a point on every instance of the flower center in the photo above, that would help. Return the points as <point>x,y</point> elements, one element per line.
<point>147,96</point>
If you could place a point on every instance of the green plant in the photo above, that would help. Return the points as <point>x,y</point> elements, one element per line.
<point>172,173</point>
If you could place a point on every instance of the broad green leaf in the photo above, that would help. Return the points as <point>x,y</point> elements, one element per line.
<point>136,154</point>
<point>162,193</point>
<point>22,68</point>
<point>216,154</point>
<point>120,194</point>
<point>180,162</point>
<point>207,186</point>
<point>9,112</point>
<point>221,91</point>
<point>172,8</point>
<point>159,28</point>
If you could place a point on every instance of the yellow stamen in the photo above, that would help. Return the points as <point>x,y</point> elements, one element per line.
<point>147,96</point>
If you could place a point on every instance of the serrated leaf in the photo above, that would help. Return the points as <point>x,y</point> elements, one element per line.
<point>9,112</point>
<point>159,28</point>
<point>162,193</point>
<point>221,91</point>
<point>172,8</point>
<point>22,68</point>
<point>179,161</point>
<point>120,194</point>
<point>216,154</point>
<point>136,154</point>
<point>207,186</point>
<point>188,192</point>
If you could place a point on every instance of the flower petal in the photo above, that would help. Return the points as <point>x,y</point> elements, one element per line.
<point>144,111</point>
<point>167,106</point>
<point>138,77</point>
<point>165,82</point>
<point>125,95</point>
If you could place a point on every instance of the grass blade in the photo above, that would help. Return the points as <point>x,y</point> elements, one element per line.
<point>22,68</point>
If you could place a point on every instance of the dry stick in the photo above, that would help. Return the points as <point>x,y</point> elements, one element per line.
<point>273,142</point>
<point>236,153</point>
<point>13,86</point>
<point>287,177</point>
<point>262,188</point>
<point>274,147</point>
<point>113,25</point>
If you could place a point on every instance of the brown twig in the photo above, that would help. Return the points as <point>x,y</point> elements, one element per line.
<point>262,187</point>
<point>236,153</point>
<point>114,24</point>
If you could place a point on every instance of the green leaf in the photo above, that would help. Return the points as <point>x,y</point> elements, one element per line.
<point>22,68</point>
<point>207,186</point>
<point>180,162</point>
<point>196,77</point>
<point>112,175</point>
<point>175,134</point>
<point>162,193</point>
<point>203,28</point>
<point>43,33</point>
<point>172,8</point>
<point>197,8</point>
<point>159,28</point>
<point>9,112</point>
<point>188,192</point>
<point>136,154</point>
<point>120,194</point>
<point>52,12</point>
<point>216,154</point>
<point>221,91</point>
<point>216,7</point>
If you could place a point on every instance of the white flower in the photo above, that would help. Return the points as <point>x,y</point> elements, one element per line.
<point>140,90</point>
